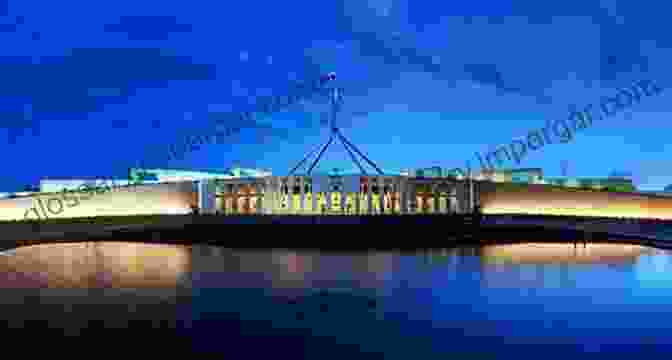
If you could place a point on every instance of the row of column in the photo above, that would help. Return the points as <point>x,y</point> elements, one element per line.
<point>229,200</point>
<point>268,193</point>
<point>438,194</point>
<point>402,193</point>
<point>284,187</point>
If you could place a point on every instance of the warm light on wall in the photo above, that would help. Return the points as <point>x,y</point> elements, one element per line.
<point>540,200</point>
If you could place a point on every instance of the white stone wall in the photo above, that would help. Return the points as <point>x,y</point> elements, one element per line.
<point>173,198</point>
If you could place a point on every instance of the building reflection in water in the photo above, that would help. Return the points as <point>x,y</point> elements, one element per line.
<point>564,253</point>
<point>565,265</point>
<point>76,287</point>
<point>518,291</point>
<point>95,265</point>
<point>288,272</point>
<point>136,265</point>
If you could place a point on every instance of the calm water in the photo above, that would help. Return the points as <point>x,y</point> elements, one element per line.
<point>528,299</point>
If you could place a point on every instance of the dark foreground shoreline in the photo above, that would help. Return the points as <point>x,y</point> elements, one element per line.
<point>424,231</point>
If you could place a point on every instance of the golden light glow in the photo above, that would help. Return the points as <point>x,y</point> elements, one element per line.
<point>538,200</point>
<point>564,253</point>
<point>74,265</point>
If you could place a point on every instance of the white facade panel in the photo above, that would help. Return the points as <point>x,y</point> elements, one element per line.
<point>206,196</point>
<point>320,184</point>
<point>55,186</point>
<point>351,184</point>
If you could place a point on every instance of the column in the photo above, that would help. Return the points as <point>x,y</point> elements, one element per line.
<point>396,205</point>
<point>259,203</point>
<point>462,198</point>
<point>246,198</point>
<point>343,199</point>
<point>225,196</point>
<point>369,198</point>
<point>290,194</point>
<point>403,194</point>
<point>413,201</point>
<point>381,195</point>
<point>268,196</point>
<point>234,207</point>
<point>264,199</point>
<point>302,194</point>
<point>313,195</point>
<point>357,200</point>
<point>328,194</point>
<point>477,193</point>
<point>277,193</point>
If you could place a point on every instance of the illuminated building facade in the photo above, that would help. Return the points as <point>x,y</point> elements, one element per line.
<point>525,175</point>
<point>347,195</point>
<point>610,183</point>
<point>149,176</point>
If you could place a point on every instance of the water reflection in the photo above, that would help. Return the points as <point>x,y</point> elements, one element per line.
<point>91,265</point>
<point>496,299</point>
<point>76,289</point>
<point>291,273</point>
<point>564,253</point>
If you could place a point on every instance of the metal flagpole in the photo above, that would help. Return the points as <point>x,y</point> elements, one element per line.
<point>360,154</point>
<point>336,98</point>
<point>320,155</point>
<point>304,160</point>
<point>352,156</point>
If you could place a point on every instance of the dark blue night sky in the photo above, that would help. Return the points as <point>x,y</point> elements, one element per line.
<point>91,88</point>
